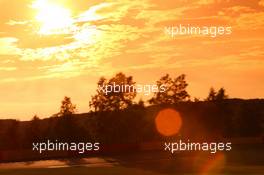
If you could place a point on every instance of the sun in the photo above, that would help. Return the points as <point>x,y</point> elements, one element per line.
<point>53,18</point>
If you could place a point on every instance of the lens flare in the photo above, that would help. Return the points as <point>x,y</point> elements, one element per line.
<point>210,164</point>
<point>168,122</point>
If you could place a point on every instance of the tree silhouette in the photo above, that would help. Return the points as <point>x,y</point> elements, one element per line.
<point>67,108</point>
<point>216,96</point>
<point>212,95</point>
<point>141,103</point>
<point>120,93</point>
<point>221,95</point>
<point>175,90</point>
<point>35,118</point>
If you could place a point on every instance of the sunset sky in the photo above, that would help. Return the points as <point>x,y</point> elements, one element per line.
<point>55,48</point>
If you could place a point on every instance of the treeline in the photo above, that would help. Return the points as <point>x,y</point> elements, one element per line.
<point>167,91</point>
<point>116,118</point>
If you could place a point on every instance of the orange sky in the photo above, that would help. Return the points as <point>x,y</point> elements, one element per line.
<point>53,48</point>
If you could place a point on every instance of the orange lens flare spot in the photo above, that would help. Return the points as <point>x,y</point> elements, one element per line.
<point>168,122</point>
<point>214,165</point>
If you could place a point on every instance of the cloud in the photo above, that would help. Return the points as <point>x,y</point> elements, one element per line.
<point>250,21</point>
<point>206,2</point>
<point>91,14</point>
<point>261,3</point>
<point>14,22</point>
<point>105,37</point>
<point>8,46</point>
<point>104,32</point>
<point>8,68</point>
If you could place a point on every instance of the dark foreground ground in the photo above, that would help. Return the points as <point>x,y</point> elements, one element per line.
<point>246,159</point>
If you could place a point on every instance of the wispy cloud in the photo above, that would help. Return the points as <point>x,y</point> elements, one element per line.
<point>8,68</point>
<point>8,46</point>
<point>96,38</point>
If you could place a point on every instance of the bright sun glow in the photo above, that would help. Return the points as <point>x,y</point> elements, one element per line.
<point>54,18</point>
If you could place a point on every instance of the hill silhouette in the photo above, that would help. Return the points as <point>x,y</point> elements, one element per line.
<point>133,126</point>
